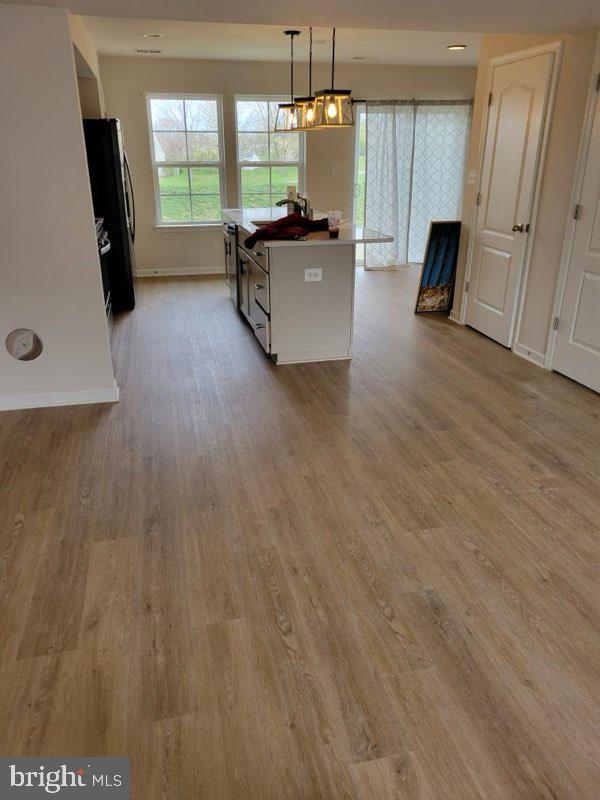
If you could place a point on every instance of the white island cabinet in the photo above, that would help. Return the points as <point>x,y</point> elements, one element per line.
<point>298,295</point>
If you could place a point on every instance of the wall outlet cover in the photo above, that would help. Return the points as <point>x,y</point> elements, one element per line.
<point>313,274</point>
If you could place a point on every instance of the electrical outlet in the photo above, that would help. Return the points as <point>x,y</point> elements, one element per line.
<point>217,247</point>
<point>313,274</point>
<point>336,170</point>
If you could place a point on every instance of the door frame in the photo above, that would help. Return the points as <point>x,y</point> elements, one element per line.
<point>593,97</point>
<point>555,47</point>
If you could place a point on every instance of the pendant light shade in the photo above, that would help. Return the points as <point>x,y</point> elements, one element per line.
<point>333,107</point>
<point>287,120</point>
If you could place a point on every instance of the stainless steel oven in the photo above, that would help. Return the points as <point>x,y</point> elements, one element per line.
<point>230,238</point>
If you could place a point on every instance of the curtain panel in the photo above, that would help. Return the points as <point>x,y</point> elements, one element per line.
<point>414,173</point>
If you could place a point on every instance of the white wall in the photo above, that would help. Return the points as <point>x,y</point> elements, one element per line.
<point>330,154</point>
<point>559,170</point>
<point>91,96</point>
<point>49,270</point>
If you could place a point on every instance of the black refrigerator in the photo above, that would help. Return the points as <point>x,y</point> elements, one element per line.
<point>112,195</point>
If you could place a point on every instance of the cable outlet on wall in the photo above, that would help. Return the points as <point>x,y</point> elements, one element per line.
<point>313,274</point>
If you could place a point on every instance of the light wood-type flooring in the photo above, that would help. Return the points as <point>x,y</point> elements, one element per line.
<point>365,580</point>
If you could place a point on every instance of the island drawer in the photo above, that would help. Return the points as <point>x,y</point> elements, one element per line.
<point>260,280</point>
<point>259,253</point>
<point>262,326</point>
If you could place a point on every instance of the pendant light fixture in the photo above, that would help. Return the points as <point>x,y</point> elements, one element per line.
<point>305,106</point>
<point>286,119</point>
<point>333,107</point>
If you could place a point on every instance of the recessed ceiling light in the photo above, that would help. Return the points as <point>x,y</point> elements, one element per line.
<point>152,35</point>
<point>457,47</point>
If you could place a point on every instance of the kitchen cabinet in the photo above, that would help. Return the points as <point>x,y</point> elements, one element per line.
<point>298,295</point>
<point>254,297</point>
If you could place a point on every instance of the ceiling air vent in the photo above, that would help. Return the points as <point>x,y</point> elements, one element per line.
<point>146,51</point>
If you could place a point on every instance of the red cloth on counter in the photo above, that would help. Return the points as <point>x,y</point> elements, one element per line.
<point>294,226</point>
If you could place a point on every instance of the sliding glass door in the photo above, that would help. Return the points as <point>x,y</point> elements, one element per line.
<point>410,164</point>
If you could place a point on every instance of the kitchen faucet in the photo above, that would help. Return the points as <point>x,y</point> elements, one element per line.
<point>301,204</point>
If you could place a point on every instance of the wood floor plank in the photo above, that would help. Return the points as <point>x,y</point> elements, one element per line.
<point>374,579</point>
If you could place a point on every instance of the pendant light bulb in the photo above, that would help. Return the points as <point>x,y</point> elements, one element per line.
<point>331,110</point>
<point>310,114</point>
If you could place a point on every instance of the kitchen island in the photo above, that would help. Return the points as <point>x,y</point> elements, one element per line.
<point>297,295</point>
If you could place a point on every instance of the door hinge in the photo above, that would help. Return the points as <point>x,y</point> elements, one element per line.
<point>577,211</point>
<point>555,323</point>
<point>467,284</point>
<point>478,199</point>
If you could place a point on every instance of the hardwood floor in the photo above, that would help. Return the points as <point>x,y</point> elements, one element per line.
<point>370,580</point>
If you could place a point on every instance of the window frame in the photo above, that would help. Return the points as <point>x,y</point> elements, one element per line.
<point>301,163</point>
<point>155,165</point>
<point>360,111</point>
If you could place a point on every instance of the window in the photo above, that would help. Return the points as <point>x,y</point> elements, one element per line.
<point>186,145</point>
<point>268,162</point>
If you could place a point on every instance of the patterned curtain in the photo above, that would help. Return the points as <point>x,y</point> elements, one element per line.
<point>415,163</point>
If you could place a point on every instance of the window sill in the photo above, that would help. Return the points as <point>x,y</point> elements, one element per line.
<point>191,226</point>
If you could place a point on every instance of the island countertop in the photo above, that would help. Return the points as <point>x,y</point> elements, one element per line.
<point>349,232</point>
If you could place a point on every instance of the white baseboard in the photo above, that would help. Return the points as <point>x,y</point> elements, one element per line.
<point>49,399</point>
<point>531,355</point>
<point>305,358</point>
<point>455,317</point>
<point>178,271</point>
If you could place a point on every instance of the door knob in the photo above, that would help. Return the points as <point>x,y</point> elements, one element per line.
<point>521,227</point>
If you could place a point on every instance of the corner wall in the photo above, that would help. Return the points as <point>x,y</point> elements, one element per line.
<point>561,157</point>
<point>91,95</point>
<point>329,154</point>
<point>49,270</point>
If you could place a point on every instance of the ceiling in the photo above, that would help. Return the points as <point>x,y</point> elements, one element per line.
<point>267,43</point>
<point>429,15</point>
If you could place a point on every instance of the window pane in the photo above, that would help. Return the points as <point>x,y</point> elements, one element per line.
<point>285,147</point>
<point>256,179</point>
<point>253,146</point>
<point>201,115</point>
<point>206,208</point>
<point>252,115</point>
<point>203,147</point>
<point>273,108</point>
<point>359,205</point>
<point>175,209</point>
<point>281,178</point>
<point>173,180</point>
<point>167,115</point>
<point>170,147</point>
<point>256,200</point>
<point>205,180</point>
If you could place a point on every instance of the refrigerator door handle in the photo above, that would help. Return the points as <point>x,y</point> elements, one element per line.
<point>130,192</point>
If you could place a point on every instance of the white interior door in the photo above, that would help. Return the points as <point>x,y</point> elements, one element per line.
<point>519,100</point>
<point>577,348</point>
